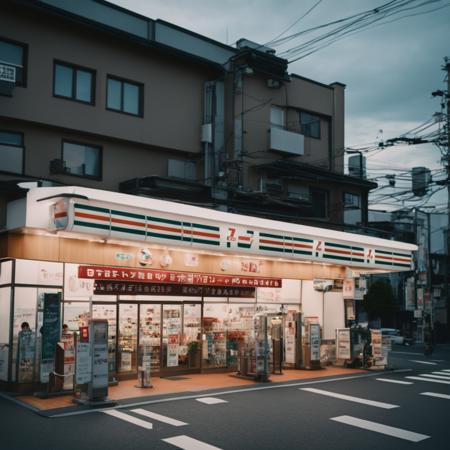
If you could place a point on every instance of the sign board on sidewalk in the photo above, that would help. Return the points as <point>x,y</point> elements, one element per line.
<point>343,349</point>
<point>314,336</point>
<point>83,371</point>
<point>98,331</point>
<point>377,351</point>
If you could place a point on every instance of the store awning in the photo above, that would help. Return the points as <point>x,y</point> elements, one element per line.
<point>114,216</point>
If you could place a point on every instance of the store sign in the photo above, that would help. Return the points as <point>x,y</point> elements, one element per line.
<point>314,336</point>
<point>102,287</point>
<point>163,228</point>
<point>343,348</point>
<point>171,277</point>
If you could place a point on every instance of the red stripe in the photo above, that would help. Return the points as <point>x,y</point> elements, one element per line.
<point>333,250</point>
<point>91,216</point>
<point>244,238</point>
<point>357,254</point>
<point>268,241</point>
<point>60,214</point>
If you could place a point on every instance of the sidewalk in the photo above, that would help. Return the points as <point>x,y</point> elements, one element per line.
<point>127,390</point>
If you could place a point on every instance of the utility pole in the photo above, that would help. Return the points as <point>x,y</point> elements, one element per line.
<point>447,162</point>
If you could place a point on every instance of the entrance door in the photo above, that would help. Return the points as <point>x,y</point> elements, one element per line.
<point>150,334</point>
<point>127,342</point>
<point>181,334</point>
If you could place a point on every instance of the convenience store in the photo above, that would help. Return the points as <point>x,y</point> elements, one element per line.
<point>183,280</point>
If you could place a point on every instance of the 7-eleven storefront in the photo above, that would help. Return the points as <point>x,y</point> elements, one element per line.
<point>182,280</point>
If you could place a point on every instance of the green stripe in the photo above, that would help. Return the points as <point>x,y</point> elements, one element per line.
<point>302,240</point>
<point>357,260</point>
<point>302,252</point>
<point>382,252</point>
<point>91,208</point>
<point>273,236</point>
<point>127,214</point>
<point>128,230</point>
<point>160,220</point>
<point>331,244</point>
<point>343,258</point>
<point>204,241</point>
<point>402,255</point>
<point>205,227</point>
<point>91,225</point>
<point>386,263</point>
<point>402,265</point>
<point>165,236</point>
<point>359,249</point>
<point>244,245</point>
<point>271,249</point>
<point>187,224</point>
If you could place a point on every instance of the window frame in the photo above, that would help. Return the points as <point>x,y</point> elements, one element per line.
<point>18,146</point>
<point>84,144</point>
<point>283,114</point>
<point>352,206</point>
<point>24,46</point>
<point>75,68</point>
<point>302,130</point>
<point>128,81</point>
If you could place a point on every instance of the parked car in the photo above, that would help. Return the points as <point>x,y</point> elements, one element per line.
<point>394,334</point>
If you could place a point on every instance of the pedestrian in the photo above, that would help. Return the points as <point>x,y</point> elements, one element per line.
<point>65,329</point>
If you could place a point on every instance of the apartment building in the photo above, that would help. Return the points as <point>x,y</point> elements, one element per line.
<point>108,99</point>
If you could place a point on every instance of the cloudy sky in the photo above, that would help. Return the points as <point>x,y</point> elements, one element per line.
<point>390,70</point>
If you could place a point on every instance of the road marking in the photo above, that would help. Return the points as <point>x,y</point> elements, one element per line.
<point>210,400</point>
<point>406,353</point>
<point>430,380</point>
<point>243,390</point>
<point>438,360</point>
<point>447,374</point>
<point>128,418</point>
<point>435,394</point>
<point>188,443</point>
<point>445,370</point>
<point>380,428</point>
<point>351,398</point>
<point>439,377</point>
<point>159,417</point>
<point>423,362</point>
<point>387,380</point>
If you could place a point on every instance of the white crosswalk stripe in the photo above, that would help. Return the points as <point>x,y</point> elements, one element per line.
<point>380,428</point>
<point>429,380</point>
<point>445,370</point>
<point>423,362</point>
<point>188,443</point>
<point>128,418</point>
<point>210,400</point>
<point>447,374</point>
<point>388,380</point>
<point>351,398</point>
<point>159,417</point>
<point>436,394</point>
<point>439,377</point>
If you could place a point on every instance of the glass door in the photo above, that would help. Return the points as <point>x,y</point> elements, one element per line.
<point>172,331</point>
<point>150,334</point>
<point>127,342</point>
<point>191,349</point>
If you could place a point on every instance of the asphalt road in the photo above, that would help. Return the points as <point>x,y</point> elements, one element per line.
<point>376,414</point>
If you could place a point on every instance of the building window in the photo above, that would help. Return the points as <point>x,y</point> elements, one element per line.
<point>352,200</point>
<point>82,160</point>
<point>74,82</point>
<point>310,125</point>
<point>124,96</point>
<point>14,54</point>
<point>317,207</point>
<point>185,170</point>
<point>11,152</point>
<point>352,208</point>
<point>277,117</point>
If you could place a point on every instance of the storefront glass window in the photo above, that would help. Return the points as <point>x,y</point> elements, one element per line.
<point>173,350</point>
<point>214,346</point>
<point>76,314</point>
<point>240,329</point>
<point>191,335</point>
<point>128,330</point>
<point>5,304</point>
<point>150,334</point>
<point>5,272</point>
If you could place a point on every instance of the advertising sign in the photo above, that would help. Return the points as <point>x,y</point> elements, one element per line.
<point>83,368</point>
<point>348,288</point>
<point>99,355</point>
<point>377,351</point>
<point>172,350</point>
<point>314,336</point>
<point>68,341</point>
<point>26,356</point>
<point>171,277</point>
<point>51,329</point>
<point>343,349</point>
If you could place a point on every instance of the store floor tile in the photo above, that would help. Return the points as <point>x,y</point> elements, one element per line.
<point>196,382</point>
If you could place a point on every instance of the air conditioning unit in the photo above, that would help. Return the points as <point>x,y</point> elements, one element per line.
<point>206,132</point>
<point>57,166</point>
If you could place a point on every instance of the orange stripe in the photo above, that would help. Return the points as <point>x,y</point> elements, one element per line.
<point>91,216</point>
<point>244,238</point>
<point>292,244</point>
<point>127,222</point>
<point>178,230</point>
<point>358,254</point>
<point>333,250</point>
<point>268,241</point>
<point>60,214</point>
